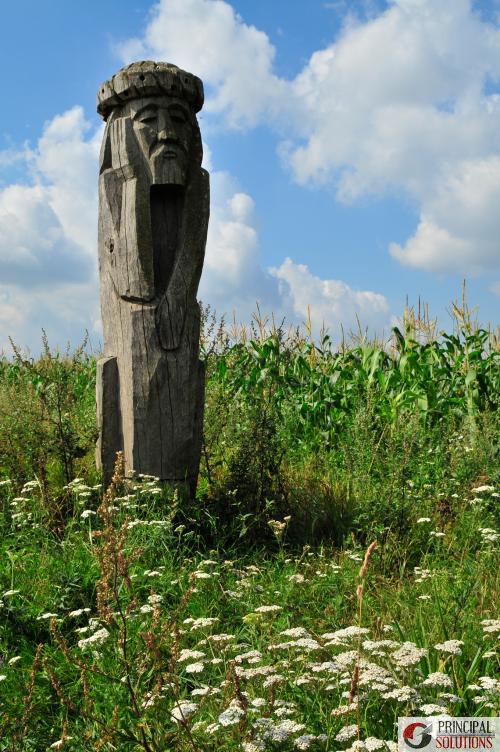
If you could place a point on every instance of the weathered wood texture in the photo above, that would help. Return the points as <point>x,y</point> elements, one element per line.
<point>153,219</point>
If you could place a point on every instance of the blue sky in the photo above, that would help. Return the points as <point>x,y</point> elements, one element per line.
<point>354,151</point>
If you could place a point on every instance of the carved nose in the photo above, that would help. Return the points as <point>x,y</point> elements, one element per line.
<point>167,134</point>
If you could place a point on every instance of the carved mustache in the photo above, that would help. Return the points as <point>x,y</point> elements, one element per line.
<point>161,143</point>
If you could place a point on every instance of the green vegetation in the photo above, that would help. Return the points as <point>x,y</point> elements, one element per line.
<point>254,618</point>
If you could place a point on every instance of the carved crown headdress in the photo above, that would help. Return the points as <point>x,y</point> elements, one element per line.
<point>146,79</point>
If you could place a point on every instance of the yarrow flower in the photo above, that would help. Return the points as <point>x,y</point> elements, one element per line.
<point>295,632</point>
<point>79,612</point>
<point>450,646</point>
<point>182,710</point>
<point>94,640</point>
<point>60,742</point>
<point>490,626</point>
<point>438,679</point>
<point>431,709</point>
<point>186,655</point>
<point>232,714</point>
<point>408,654</point>
<point>267,609</point>
<point>347,633</point>
<point>346,733</point>
<point>194,668</point>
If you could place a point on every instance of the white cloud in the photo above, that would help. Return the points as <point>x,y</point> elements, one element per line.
<point>460,223</point>
<point>234,279</point>
<point>398,104</point>
<point>48,236</point>
<point>495,288</point>
<point>328,303</point>
<point>401,103</point>
<point>208,38</point>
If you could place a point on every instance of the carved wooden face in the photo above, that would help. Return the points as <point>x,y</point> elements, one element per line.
<point>164,130</point>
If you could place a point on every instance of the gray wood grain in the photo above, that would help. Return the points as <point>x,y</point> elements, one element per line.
<point>153,220</point>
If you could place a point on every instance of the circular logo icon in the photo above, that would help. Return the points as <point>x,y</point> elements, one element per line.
<point>416,735</point>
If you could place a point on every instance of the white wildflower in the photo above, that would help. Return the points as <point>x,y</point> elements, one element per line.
<point>400,694</point>
<point>271,680</point>
<point>60,742</point>
<point>491,626</point>
<point>202,622</point>
<point>307,643</point>
<point>253,656</point>
<point>146,609</point>
<point>438,679</point>
<point>186,655</point>
<point>372,743</point>
<point>304,741</point>
<point>489,684</point>
<point>347,633</point>
<point>8,593</point>
<point>46,615</point>
<point>204,691</point>
<point>408,654</point>
<point>327,666</point>
<point>14,660</point>
<point>232,714</point>
<point>295,632</point>
<point>96,639</point>
<point>221,638</point>
<point>450,646</point>
<point>87,513</point>
<point>423,519</point>
<point>346,733</point>
<point>431,708</point>
<point>79,612</point>
<point>347,659</point>
<point>194,668</point>
<point>483,489</point>
<point>267,609</point>
<point>298,578</point>
<point>182,710</point>
<point>344,709</point>
<point>281,731</point>
<point>155,599</point>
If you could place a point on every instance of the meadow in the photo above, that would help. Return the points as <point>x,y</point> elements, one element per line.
<point>338,568</point>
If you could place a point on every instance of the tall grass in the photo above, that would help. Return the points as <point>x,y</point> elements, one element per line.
<point>250,618</point>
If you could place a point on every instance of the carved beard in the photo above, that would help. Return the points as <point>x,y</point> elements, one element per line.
<point>167,170</point>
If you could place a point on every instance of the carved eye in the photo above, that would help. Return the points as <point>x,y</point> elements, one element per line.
<point>178,115</point>
<point>147,116</point>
